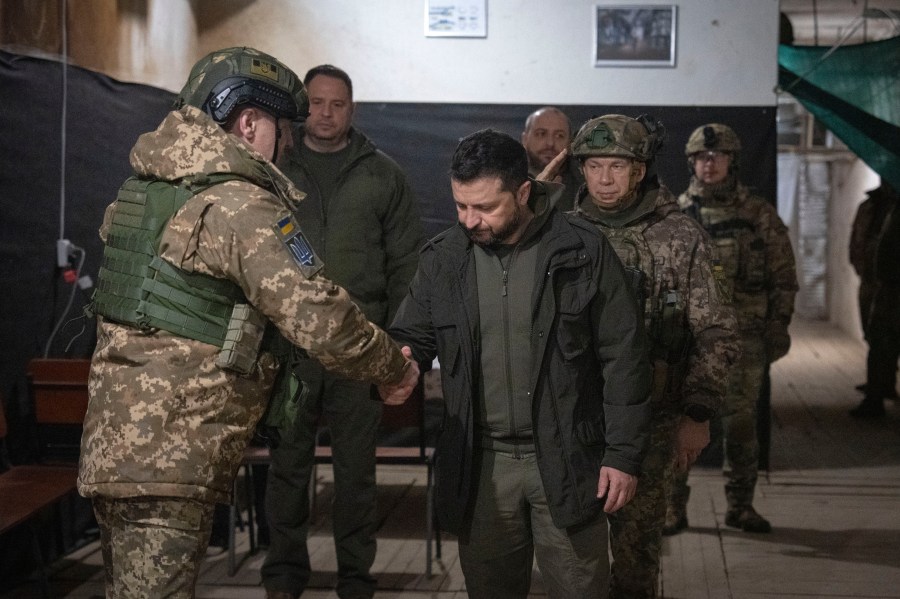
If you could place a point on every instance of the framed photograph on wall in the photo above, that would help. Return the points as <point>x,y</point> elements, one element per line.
<point>634,35</point>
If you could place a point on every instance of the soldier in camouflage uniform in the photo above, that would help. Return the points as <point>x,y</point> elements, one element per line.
<point>870,217</point>
<point>864,234</point>
<point>203,267</point>
<point>883,328</point>
<point>752,247</point>
<point>692,333</point>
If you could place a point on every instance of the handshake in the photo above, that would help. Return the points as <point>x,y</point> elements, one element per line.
<point>397,393</point>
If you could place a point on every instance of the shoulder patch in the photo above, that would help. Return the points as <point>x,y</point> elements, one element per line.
<point>288,231</point>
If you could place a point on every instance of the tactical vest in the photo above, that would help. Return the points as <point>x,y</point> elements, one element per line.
<point>138,288</point>
<point>738,249</point>
<point>664,309</point>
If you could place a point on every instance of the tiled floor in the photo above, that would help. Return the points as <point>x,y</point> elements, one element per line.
<point>832,494</point>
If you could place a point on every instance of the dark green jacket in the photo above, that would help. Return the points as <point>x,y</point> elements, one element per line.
<point>368,234</point>
<point>590,376</point>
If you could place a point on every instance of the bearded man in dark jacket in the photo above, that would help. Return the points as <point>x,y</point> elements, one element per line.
<point>545,378</point>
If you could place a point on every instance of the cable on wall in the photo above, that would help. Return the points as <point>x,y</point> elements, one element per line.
<point>63,121</point>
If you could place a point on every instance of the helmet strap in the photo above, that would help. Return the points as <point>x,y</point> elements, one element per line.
<point>277,141</point>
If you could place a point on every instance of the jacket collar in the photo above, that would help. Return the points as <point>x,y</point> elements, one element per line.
<point>189,144</point>
<point>557,235</point>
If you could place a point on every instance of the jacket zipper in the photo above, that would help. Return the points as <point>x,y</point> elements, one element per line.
<point>506,349</point>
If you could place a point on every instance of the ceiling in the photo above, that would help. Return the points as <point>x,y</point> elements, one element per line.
<point>825,22</point>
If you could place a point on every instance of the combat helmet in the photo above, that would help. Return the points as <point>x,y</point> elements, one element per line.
<point>232,77</point>
<point>713,137</point>
<point>619,135</point>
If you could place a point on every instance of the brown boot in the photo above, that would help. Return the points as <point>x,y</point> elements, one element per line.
<point>676,512</point>
<point>747,519</point>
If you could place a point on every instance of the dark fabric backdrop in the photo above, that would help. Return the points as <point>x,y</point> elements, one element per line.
<point>422,137</point>
<point>105,117</point>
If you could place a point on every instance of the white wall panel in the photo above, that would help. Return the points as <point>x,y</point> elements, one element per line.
<point>534,52</point>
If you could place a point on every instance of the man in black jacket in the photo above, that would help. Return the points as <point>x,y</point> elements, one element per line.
<point>544,374</point>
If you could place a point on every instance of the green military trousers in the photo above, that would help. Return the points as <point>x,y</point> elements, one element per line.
<point>353,420</point>
<point>511,526</point>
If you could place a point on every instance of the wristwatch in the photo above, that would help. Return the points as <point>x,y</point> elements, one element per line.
<point>698,413</point>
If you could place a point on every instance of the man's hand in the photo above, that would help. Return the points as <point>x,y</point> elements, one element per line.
<point>777,339</point>
<point>690,439</point>
<point>396,394</point>
<point>618,487</point>
<point>552,172</point>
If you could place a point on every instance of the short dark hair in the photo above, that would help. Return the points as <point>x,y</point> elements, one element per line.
<point>490,153</point>
<point>329,71</point>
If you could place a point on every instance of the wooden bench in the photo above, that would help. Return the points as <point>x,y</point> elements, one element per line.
<point>25,493</point>
<point>59,391</point>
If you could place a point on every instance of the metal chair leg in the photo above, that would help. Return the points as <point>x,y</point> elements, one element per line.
<point>429,519</point>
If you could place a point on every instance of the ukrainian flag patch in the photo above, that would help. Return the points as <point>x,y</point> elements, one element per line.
<point>288,231</point>
<point>264,69</point>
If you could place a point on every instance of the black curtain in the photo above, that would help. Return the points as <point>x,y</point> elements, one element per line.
<point>422,138</point>
<point>103,119</point>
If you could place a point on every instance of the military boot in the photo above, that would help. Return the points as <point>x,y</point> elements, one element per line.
<point>747,519</point>
<point>740,512</point>
<point>869,408</point>
<point>676,511</point>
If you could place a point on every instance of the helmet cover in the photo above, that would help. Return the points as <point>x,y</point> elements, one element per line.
<point>232,77</point>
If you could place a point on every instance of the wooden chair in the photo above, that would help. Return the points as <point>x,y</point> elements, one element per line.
<point>253,456</point>
<point>29,491</point>
<point>59,392</point>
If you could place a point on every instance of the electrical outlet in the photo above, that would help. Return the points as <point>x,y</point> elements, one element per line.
<point>64,249</point>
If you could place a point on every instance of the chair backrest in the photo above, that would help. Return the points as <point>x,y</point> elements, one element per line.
<point>59,389</point>
<point>59,392</point>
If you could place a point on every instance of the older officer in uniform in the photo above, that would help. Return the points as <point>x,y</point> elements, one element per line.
<point>692,333</point>
<point>204,268</point>
<point>752,248</point>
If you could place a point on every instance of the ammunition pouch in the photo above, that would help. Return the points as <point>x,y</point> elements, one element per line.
<point>289,393</point>
<point>671,343</point>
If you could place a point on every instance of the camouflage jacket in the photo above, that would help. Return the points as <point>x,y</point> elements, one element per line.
<point>681,262</point>
<point>751,242</point>
<point>162,418</point>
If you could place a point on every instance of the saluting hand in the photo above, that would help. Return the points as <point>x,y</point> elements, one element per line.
<point>552,172</point>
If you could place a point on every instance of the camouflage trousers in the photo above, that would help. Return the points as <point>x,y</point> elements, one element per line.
<point>745,381</point>
<point>152,546</point>
<point>635,531</point>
